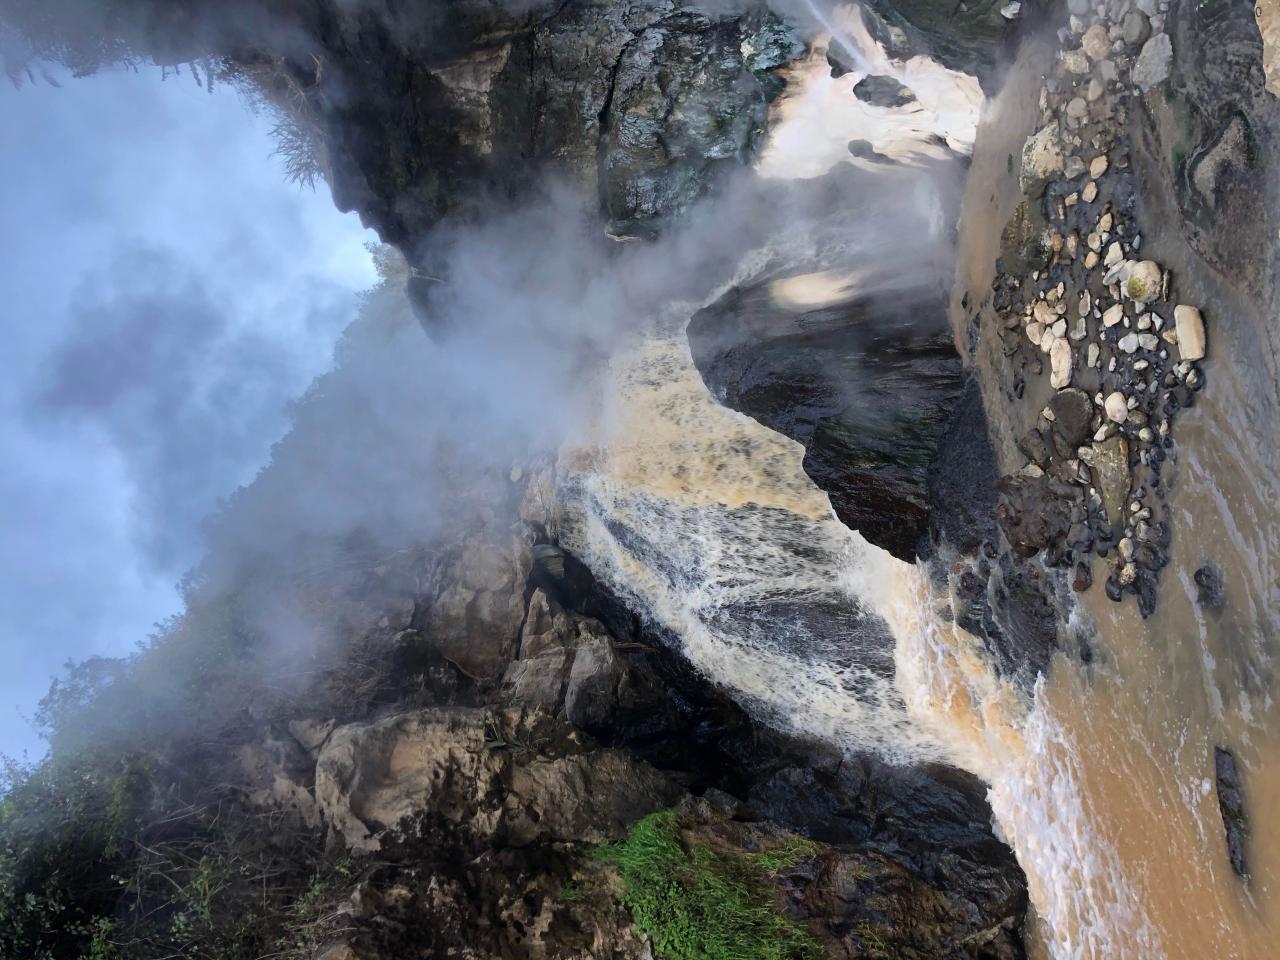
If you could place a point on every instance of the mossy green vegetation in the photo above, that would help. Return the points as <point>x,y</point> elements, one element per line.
<point>700,903</point>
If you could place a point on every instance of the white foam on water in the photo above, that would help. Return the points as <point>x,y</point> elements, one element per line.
<point>706,522</point>
<point>1020,746</point>
<point>817,115</point>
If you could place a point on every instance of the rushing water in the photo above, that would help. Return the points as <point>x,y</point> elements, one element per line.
<point>706,520</point>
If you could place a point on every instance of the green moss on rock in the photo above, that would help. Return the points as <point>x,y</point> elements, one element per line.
<point>700,903</point>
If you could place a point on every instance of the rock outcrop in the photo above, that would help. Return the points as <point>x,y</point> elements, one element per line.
<point>491,776</point>
<point>425,111</point>
<point>865,385</point>
<point>477,816</point>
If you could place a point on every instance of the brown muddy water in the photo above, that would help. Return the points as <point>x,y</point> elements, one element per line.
<point>1105,785</point>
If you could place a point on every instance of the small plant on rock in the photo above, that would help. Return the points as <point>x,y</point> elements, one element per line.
<point>699,903</point>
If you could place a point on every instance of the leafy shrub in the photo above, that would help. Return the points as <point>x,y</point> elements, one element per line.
<point>699,903</point>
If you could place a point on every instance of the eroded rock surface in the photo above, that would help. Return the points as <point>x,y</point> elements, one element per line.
<point>642,105</point>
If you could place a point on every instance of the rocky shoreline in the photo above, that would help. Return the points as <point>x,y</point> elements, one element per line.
<point>1123,354</point>
<point>1133,136</point>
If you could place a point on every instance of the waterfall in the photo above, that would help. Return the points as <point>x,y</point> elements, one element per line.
<point>706,522</point>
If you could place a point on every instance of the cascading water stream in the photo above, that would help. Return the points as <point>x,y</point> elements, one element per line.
<point>860,62</point>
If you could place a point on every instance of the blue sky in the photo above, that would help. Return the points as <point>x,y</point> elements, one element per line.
<point>165,294</point>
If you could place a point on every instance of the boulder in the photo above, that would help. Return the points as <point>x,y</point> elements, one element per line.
<point>1041,159</point>
<point>1060,359</point>
<point>539,681</point>
<point>369,777</point>
<point>1210,589</point>
<point>1116,407</point>
<point>275,774</point>
<point>587,798</point>
<point>1095,42</point>
<point>1142,280</point>
<point>1231,805</point>
<point>883,91</point>
<point>1135,27</point>
<point>591,696</point>
<point>1189,325</point>
<point>545,626</point>
<point>490,776</point>
<point>1112,476</point>
<point>1152,65</point>
<point>1072,411</point>
<point>475,622</point>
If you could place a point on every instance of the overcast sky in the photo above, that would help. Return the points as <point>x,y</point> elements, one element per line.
<point>164,295</point>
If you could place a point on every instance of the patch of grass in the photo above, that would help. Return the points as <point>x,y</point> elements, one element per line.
<point>697,903</point>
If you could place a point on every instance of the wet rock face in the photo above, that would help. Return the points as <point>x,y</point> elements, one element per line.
<point>424,111</point>
<point>641,108</point>
<point>1213,126</point>
<point>1231,805</point>
<point>473,821</point>
<point>874,898</point>
<point>969,37</point>
<point>866,387</point>
<point>485,773</point>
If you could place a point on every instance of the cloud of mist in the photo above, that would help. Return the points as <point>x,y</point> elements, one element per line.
<point>189,399</point>
<point>385,446</point>
<point>141,216</point>
<point>531,301</point>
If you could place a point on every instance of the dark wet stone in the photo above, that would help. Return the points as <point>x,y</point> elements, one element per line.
<point>1231,805</point>
<point>1210,590</point>
<point>1080,536</point>
<point>1034,448</point>
<point>1073,411</point>
<point>1150,557</point>
<point>1063,448</point>
<point>883,91</point>
<point>1145,587</point>
<point>1113,589</point>
<point>1033,514</point>
<point>839,64</point>
<point>1083,579</point>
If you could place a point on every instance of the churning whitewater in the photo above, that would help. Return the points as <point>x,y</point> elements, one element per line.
<point>707,523</point>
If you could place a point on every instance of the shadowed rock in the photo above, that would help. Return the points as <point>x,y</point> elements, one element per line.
<point>1231,805</point>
